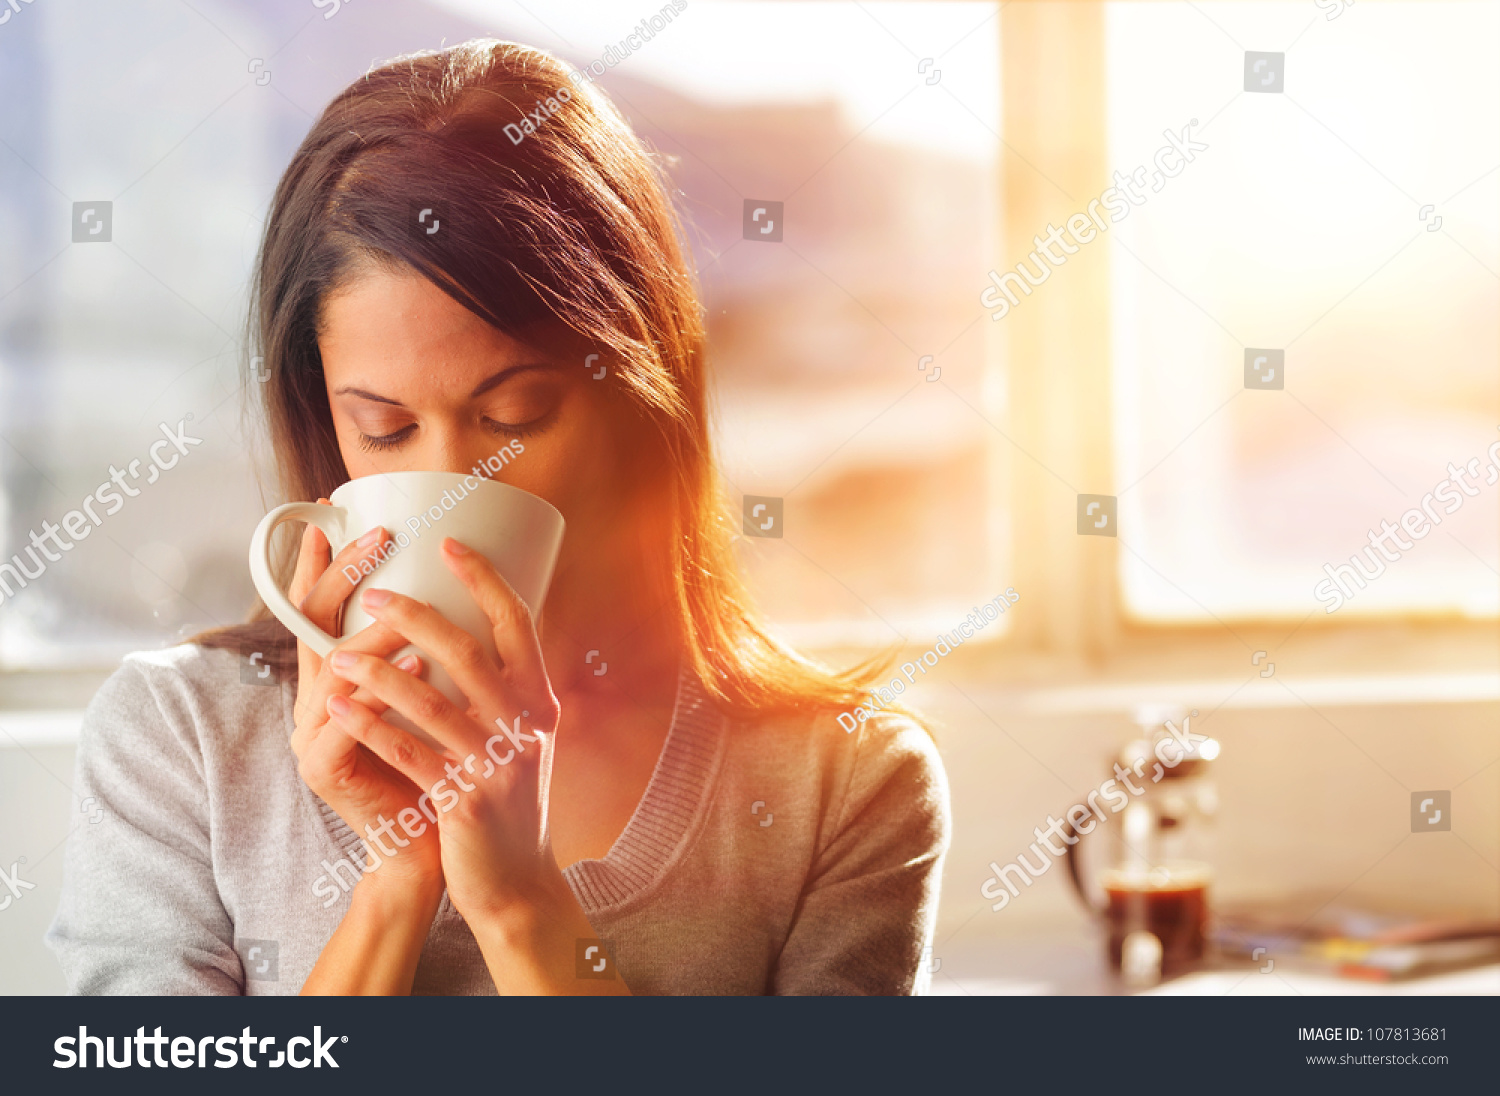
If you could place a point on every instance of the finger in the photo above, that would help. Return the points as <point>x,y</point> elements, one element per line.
<point>335,759</point>
<point>522,666</point>
<point>412,697</point>
<point>471,667</point>
<point>402,752</point>
<point>515,630</point>
<point>337,581</point>
<point>318,685</point>
<point>329,758</point>
<point>312,561</point>
<point>377,640</point>
<point>311,710</point>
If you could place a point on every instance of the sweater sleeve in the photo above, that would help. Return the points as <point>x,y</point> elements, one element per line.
<point>140,911</point>
<point>870,903</point>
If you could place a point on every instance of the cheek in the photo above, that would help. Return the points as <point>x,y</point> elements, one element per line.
<point>579,469</point>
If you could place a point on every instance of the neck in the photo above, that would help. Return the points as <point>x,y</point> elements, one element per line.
<point>611,630</point>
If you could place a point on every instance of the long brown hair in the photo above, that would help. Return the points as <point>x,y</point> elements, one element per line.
<point>572,224</point>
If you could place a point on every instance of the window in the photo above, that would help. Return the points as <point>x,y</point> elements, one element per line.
<point>1347,222</point>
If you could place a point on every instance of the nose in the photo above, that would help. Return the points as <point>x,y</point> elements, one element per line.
<point>458,450</point>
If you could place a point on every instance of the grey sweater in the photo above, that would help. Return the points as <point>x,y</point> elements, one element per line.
<point>775,856</point>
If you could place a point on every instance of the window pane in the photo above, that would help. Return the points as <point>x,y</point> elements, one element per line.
<point>129,331</point>
<point>891,483</point>
<point>1310,226</point>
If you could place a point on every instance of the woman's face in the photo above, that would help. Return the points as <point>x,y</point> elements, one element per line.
<point>417,382</point>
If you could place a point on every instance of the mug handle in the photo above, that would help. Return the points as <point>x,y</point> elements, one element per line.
<point>330,519</point>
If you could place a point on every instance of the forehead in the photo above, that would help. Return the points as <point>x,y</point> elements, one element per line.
<point>383,320</point>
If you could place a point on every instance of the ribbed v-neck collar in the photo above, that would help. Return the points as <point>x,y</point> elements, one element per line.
<point>662,825</point>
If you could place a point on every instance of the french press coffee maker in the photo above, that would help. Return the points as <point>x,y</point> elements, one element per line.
<point>1147,872</point>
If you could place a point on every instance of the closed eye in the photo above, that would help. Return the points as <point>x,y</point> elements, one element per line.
<point>386,441</point>
<point>518,430</point>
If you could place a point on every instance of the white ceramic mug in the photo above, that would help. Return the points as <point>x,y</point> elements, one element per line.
<point>516,531</point>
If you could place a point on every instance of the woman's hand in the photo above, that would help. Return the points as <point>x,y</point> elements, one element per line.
<point>490,785</point>
<point>360,787</point>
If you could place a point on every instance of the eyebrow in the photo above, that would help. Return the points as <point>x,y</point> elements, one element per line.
<point>480,389</point>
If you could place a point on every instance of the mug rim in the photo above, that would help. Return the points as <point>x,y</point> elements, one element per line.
<point>453,478</point>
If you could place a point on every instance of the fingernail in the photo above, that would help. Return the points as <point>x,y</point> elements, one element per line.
<point>374,599</point>
<point>369,538</point>
<point>409,664</point>
<point>343,660</point>
<point>338,705</point>
<point>454,548</point>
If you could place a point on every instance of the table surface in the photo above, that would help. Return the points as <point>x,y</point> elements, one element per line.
<point>1072,963</point>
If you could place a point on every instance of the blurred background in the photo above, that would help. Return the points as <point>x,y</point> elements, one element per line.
<point>927,456</point>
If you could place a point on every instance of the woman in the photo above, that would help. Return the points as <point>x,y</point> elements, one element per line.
<point>692,818</point>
